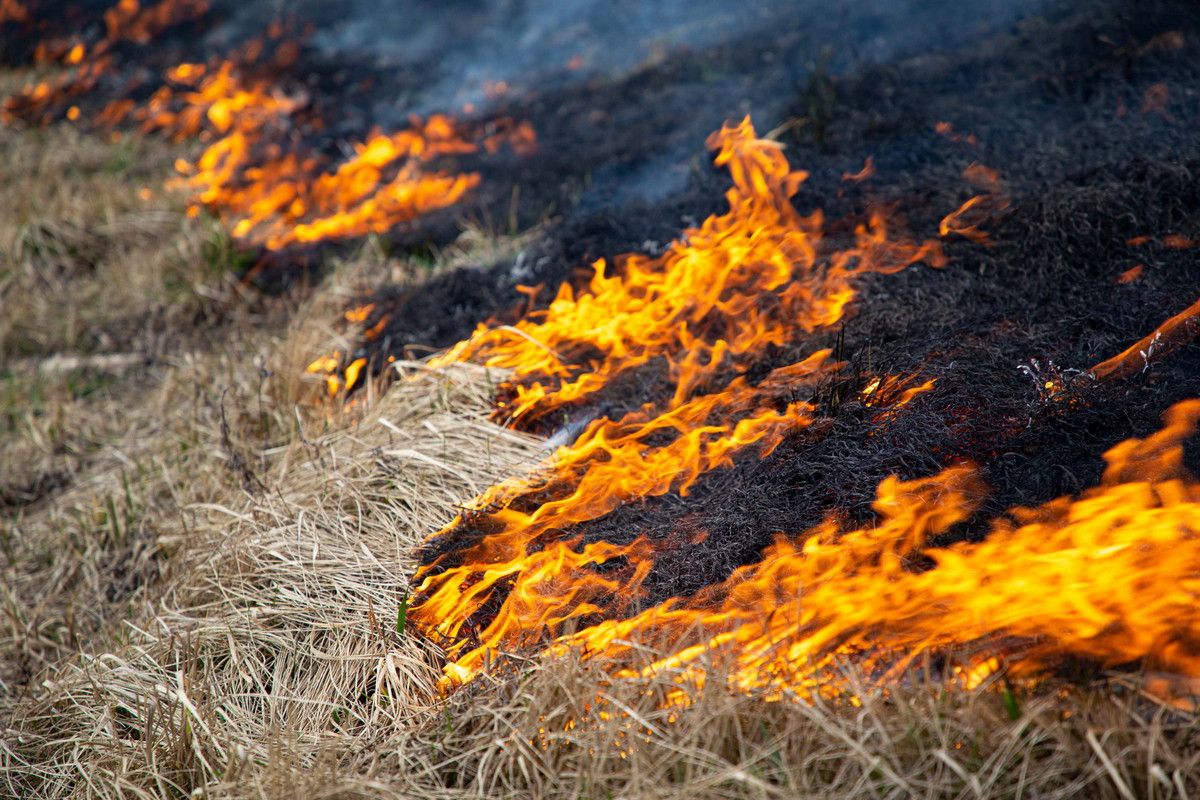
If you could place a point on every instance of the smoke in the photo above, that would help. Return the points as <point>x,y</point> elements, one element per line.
<point>470,53</point>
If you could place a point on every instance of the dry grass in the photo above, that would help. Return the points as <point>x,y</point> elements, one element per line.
<point>203,569</point>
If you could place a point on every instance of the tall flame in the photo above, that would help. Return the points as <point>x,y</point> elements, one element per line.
<point>752,277</point>
<point>756,276</point>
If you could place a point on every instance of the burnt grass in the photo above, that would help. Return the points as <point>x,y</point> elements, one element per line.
<point>1056,103</point>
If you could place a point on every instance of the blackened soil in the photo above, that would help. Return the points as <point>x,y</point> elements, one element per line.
<point>1059,105</point>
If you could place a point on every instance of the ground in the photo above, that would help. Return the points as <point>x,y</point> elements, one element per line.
<point>205,561</point>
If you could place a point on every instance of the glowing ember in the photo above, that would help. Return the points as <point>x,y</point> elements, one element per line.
<point>1132,274</point>
<point>946,129</point>
<point>1177,331</point>
<point>13,11</point>
<point>1155,101</point>
<point>863,174</point>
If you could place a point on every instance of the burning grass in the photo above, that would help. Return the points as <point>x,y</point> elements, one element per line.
<point>215,598</point>
<point>208,558</point>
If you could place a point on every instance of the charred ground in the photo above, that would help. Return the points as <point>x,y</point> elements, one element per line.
<point>1061,106</point>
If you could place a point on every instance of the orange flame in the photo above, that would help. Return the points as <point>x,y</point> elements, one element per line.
<point>1110,576</point>
<point>965,220</point>
<point>1132,274</point>
<point>254,174</point>
<point>700,304</point>
<point>701,309</point>
<point>863,174</point>
<point>278,199</point>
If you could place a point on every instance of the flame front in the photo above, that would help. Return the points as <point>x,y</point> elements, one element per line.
<point>260,171</point>
<point>756,276</point>
<point>1112,576</point>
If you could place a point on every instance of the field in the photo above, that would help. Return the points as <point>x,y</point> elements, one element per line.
<point>805,495</point>
<point>205,562</point>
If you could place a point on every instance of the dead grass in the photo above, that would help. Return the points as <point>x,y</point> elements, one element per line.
<point>203,570</point>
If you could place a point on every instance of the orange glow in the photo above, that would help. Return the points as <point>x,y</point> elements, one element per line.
<point>866,172</point>
<point>1171,241</point>
<point>1155,101</point>
<point>1177,331</point>
<point>699,305</point>
<point>1132,274</point>
<point>699,311</point>
<point>965,220</point>
<point>1111,576</point>
<point>13,11</point>
<point>946,129</point>
<point>360,313</point>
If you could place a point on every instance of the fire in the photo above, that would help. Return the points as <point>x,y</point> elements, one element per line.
<point>1176,241</point>
<point>278,198</point>
<point>946,129</point>
<point>258,173</point>
<point>1177,331</point>
<point>894,391</point>
<point>1171,241</point>
<point>329,366</point>
<point>699,306</point>
<point>13,11</point>
<point>1155,101</point>
<point>288,199</point>
<point>610,463</point>
<point>863,174</point>
<point>126,22</point>
<point>965,220</point>
<point>1132,274</point>
<point>756,276</point>
<point>1111,576</point>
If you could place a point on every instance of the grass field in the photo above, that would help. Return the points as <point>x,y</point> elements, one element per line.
<point>204,564</point>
